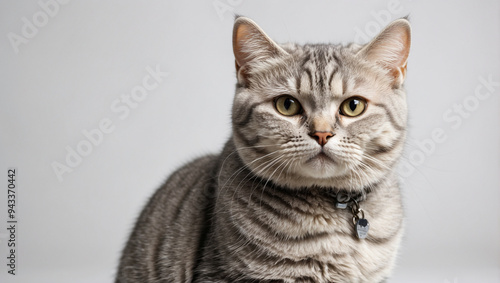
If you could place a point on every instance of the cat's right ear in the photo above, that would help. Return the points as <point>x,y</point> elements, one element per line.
<point>251,47</point>
<point>390,49</point>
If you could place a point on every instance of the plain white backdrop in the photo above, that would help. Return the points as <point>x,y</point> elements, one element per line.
<point>69,68</point>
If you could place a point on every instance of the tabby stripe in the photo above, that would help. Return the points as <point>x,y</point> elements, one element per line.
<point>303,118</point>
<point>250,143</point>
<point>337,60</point>
<point>306,59</point>
<point>311,82</point>
<point>248,117</point>
<point>160,243</point>
<point>260,255</point>
<point>282,201</point>
<point>183,200</point>
<point>280,195</point>
<point>381,241</point>
<point>264,228</point>
<point>366,121</point>
<point>304,200</point>
<point>270,193</point>
<point>158,264</point>
<point>297,84</point>
<point>319,66</point>
<point>331,76</point>
<point>384,149</point>
<point>305,279</point>
<point>280,214</point>
<point>207,225</point>
<point>389,115</point>
<point>268,230</point>
<point>253,199</point>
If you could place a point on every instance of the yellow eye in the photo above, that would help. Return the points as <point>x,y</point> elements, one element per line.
<point>287,105</point>
<point>353,107</point>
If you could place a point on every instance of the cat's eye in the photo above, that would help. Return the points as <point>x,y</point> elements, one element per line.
<point>353,107</point>
<point>287,105</point>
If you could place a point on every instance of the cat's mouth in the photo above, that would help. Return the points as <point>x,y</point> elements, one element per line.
<point>321,165</point>
<point>321,157</point>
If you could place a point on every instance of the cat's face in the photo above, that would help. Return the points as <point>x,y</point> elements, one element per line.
<point>320,115</point>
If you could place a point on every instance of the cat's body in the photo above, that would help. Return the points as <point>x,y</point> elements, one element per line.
<point>264,210</point>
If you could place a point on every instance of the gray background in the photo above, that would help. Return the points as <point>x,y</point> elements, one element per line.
<point>64,79</point>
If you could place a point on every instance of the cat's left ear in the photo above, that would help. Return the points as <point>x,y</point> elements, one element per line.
<point>251,47</point>
<point>390,49</point>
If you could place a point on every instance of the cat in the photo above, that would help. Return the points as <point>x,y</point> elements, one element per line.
<point>306,189</point>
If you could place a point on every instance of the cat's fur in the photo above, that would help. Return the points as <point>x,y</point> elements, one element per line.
<point>263,210</point>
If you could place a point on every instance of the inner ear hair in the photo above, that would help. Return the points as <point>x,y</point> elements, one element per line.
<point>251,45</point>
<point>390,49</point>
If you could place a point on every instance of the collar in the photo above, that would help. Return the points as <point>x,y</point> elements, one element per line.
<point>345,199</point>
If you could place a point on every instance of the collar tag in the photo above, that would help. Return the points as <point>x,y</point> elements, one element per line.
<point>361,224</point>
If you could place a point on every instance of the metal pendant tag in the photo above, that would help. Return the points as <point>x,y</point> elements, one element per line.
<point>362,227</point>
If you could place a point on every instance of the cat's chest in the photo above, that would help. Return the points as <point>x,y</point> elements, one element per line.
<point>295,237</point>
<point>321,259</point>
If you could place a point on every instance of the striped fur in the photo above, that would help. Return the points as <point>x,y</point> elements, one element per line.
<point>262,210</point>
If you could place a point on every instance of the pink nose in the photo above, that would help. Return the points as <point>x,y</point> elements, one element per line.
<point>322,137</point>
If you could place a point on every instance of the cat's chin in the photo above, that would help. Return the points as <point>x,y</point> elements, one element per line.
<point>322,166</point>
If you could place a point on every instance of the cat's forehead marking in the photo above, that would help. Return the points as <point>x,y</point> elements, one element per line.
<point>338,85</point>
<point>320,76</point>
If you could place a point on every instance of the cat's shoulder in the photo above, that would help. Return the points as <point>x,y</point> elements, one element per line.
<point>196,174</point>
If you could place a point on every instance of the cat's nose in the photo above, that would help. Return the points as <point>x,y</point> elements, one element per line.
<point>322,137</point>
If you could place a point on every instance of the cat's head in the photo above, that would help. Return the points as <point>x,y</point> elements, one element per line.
<point>320,114</point>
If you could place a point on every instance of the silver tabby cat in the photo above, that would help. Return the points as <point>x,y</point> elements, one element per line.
<point>316,127</point>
